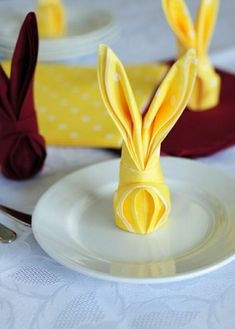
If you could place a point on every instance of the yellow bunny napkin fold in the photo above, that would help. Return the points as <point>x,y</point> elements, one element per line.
<point>142,200</point>
<point>197,35</point>
<point>51,17</point>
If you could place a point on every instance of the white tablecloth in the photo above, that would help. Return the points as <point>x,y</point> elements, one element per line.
<point>36,292</point>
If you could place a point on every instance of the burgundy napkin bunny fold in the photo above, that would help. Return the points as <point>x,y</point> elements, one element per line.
<point>22,148</point>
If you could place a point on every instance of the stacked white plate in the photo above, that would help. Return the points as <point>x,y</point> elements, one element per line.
<point>87,27</point>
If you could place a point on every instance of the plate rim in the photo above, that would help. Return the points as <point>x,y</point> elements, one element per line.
<point>82,8</point>
<point>85,42</point>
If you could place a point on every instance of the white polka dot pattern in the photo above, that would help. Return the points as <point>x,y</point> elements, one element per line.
<point>70,109</point>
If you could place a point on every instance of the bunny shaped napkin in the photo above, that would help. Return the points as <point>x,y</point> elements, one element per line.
<point>51,17</point>
<point>207,125</point>
<point>22,149</point>
<point>197,35</point>
<point>142,200</point>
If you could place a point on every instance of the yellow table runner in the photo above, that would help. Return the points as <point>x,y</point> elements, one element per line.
<point>69,105</point>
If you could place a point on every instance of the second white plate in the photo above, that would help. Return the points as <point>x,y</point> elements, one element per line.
<point>87,27</point>
<point>73,222</point>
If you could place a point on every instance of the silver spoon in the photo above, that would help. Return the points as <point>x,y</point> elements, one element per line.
<point>6,234</point>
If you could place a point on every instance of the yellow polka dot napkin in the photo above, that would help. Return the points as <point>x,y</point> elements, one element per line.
<point>197,35</point>
<point>70,109</point>
<point>142,200</point>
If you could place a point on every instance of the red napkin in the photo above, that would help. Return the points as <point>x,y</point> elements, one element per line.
<point>202,133</point>
<point>22,148</point>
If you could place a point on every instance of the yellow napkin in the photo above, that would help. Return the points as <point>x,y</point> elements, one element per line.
<point>207,86</point>
<point>70,109</point>
<point>142,200</point>
<point>51,18</point>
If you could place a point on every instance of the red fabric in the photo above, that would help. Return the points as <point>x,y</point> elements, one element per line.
<point>22,148</point>
<point>202,133</point>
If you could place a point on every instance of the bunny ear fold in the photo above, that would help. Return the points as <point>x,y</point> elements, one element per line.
<point>119,100</point>
<point>24,61</point>
<point>169,101</point>
<point>3,79</point>
<point>5,106</point>
<point>204,25</point>
<point>179,19</point>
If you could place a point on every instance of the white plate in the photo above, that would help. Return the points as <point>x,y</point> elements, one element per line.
<point>73,222</point>
<point>87,27</point>
<point>66,53</point>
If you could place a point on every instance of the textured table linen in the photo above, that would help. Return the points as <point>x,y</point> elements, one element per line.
<point>36,292</point>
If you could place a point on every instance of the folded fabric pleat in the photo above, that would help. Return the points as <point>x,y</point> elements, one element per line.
<point>197,35</point>
<point>51,15</point>
<point>142,200</point>
<point>22,148</point>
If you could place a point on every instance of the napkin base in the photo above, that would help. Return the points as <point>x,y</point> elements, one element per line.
<point>202,133</point>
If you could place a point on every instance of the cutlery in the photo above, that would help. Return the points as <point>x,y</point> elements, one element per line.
<point>6,234</point>
<point>19,216</point>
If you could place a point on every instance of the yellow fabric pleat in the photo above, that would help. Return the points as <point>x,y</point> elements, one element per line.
<point>142,199</point>
<point>197,35</point>
<point>51,17</point>
<point>69,106</point>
